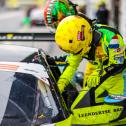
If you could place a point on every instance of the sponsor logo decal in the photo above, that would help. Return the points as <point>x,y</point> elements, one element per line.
<point>99,112</point>
<point>80,36</point>
<point>8,67</point>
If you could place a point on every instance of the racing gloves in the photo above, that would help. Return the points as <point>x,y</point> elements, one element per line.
<point>93,80</point>
<point>73,62</point>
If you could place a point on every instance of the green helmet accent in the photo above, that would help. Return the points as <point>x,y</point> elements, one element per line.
<point>57,10</point>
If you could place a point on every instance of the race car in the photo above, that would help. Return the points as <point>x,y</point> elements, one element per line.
<point>28,87</point>
<point>30,96</point>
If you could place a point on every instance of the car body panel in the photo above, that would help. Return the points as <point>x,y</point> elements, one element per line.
<point>13,53</point>
<point>36,70</point>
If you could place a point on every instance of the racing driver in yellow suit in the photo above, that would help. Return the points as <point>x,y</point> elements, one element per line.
<point>102,45</point>
<point>104,48</point>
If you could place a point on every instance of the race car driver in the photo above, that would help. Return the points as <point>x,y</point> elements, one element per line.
<point>104,48</point>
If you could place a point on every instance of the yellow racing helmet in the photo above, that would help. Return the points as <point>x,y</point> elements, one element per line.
<point>74,35</point>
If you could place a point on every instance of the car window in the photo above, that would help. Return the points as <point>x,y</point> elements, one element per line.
<point>20,96</point>
<point>25,98</point>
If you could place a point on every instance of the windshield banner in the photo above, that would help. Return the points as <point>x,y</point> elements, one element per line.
<point>34,69</point>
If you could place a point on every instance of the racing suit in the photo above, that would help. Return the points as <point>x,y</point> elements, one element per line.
<point>107,54</point>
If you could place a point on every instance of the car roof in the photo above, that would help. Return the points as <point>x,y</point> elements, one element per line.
<point>14,53</point>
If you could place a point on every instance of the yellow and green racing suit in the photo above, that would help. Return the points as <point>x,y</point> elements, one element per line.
<point>107,56</point>
<point>107,53</point>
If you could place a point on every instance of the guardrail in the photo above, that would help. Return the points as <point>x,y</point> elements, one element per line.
<point>48,37</point>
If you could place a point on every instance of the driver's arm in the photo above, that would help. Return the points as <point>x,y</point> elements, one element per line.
<point>73,62</point>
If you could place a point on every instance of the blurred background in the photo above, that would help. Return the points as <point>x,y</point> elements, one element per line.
<point>27,16</point>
